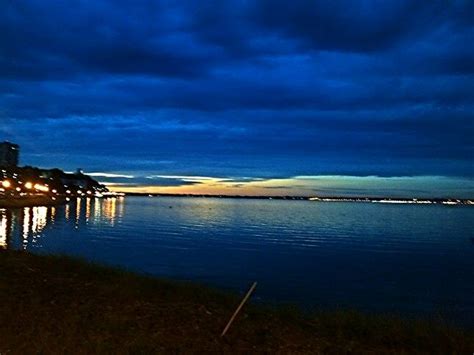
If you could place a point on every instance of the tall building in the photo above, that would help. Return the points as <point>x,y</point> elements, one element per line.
<point>9,154</point>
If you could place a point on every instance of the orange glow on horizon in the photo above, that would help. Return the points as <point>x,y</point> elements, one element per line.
<point>210,187</point>
<point>304,185</point>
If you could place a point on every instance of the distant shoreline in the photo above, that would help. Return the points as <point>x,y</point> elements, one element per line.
<point>46,200</point>
<point>388,200</point>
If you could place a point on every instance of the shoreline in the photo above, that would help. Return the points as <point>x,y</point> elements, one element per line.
<point>381,200</point>
<point>45,200</point>
<point>72,305</point>
<point>32,201</point>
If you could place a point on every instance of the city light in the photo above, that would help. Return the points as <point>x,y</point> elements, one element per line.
<point>29,185</point>
<point>6,184</point>
<point>42,188</point>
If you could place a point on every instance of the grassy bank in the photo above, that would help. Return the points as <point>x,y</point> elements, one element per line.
<point>59,305</point>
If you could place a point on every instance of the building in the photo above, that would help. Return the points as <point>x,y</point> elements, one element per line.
<point>9,154</point>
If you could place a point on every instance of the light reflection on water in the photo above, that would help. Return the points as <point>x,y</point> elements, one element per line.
<point>4,229</point>
<point>410,259</point>
<point>29,223</point>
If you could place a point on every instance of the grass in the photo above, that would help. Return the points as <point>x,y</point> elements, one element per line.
<point>55,304</point>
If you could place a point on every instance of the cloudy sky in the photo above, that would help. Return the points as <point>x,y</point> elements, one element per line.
<point>250,97</point>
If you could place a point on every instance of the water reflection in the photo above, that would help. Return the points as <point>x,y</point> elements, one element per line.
<point>110,209</point>
<point>5,228</point>
<point>376,257</point>
<point>67,211</point>
<point>88,209</point>
<point>78,211</point>
<point>19,228</point>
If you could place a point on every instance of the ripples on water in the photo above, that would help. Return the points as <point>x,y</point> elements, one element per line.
<point>397,258</point>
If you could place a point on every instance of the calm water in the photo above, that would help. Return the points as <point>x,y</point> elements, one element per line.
<point>412,259</point>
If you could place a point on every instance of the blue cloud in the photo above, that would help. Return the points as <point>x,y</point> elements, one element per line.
<point>240,89</point>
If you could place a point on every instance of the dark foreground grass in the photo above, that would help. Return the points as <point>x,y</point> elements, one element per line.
<point>52,304</point>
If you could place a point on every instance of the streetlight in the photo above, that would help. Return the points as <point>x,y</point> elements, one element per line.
<point>6,184</point>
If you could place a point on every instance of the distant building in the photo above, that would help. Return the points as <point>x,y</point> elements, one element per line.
<point>9,154</point>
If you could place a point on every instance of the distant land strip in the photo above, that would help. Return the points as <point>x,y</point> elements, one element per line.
<point>427,201</point>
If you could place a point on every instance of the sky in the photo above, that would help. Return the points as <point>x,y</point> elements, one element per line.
<point>264,97</point>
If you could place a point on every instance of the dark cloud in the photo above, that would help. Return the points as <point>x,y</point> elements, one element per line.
<point>236,88</point>
<point>135,181</point>
<point>361,26</point>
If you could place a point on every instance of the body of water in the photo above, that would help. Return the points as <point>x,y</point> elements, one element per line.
<point>409,259</point>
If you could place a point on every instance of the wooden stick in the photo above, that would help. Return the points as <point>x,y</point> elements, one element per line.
<point>249,292</point>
